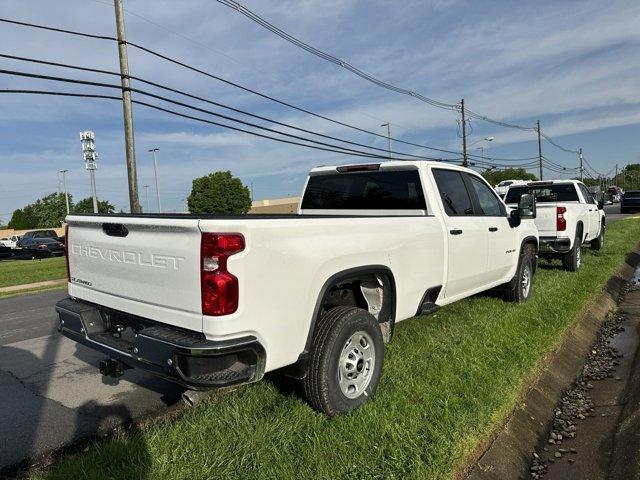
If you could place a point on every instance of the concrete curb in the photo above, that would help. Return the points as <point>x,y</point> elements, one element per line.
<point>509,453</point>
<point>31,286</point>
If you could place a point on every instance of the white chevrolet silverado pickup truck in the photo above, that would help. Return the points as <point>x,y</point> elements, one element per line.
<point>210,301</point>
<point>567,217</point>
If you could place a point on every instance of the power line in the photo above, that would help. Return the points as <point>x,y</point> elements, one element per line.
<point>343,63</point>
<point>313,50</point>
<point>195,97</point>
<point>223,80</point>
<point>552,142</point>
<point>330,58</point>
<point>244,112</point>
<point>183,115</point>
<point>209,112</point>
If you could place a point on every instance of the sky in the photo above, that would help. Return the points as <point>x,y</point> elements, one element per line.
<point>575,65</point>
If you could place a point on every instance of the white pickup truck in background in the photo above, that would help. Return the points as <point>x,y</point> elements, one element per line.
<point>209,301</point>
<point>503,186</point>
<point>567,217</point>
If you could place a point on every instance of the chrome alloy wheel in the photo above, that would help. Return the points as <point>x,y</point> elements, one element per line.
<point>526,281</point>
<point>357,363</point>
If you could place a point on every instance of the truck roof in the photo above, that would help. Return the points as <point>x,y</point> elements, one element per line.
<point>385,164</point>
<point>542,183</point>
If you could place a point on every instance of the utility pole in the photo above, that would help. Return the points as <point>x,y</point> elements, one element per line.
<point>465,159</point>
<point>132,175</point>
<point>155,172</point>
<point>146,197</point>
<point>539,152</point>
<point>581,170</point>
<point>615,177</point>
<point>88,140</point>
<point>64,183</point>
<point>388,136</point>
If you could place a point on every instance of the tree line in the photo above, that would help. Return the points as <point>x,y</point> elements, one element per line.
<point>217,192</point>
<point>50,211</point>
<point>222,193</point>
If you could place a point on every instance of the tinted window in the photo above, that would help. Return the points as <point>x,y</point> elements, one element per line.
<point>489,204</point>
<point>453,192</point>
<point>586,194</point>
<point>381,190</point>
<point>563,192</point>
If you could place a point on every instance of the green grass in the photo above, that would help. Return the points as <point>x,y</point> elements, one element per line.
<point>448,381</point>
<point>31,291</point>
<point>21,272</point>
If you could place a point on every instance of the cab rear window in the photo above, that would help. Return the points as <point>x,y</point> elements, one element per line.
<point>548,193</point>
<point>365,190</point>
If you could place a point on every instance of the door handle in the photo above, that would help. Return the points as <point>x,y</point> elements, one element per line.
<point>493,229</point>
<point>455,232</point>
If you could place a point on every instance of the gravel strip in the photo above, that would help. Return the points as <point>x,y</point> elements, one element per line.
<point>576,405</point>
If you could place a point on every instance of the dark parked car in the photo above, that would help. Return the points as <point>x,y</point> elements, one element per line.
<point>41,247</point>
<point>5,252</point>
<point>630,202</point>
<point>39,234</point>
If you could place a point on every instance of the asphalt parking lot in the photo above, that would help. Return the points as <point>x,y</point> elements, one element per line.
<point>51,393</point>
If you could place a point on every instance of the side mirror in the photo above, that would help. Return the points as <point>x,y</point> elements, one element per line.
<point>514,218</point>
<point>526,209</point>
<point>527,206</point>
<point>600,204</point>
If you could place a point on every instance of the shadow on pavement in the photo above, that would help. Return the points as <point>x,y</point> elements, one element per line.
<point>53,399</point>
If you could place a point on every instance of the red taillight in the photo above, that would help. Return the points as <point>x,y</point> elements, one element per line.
<point>66,250</point>
<point>218,288</point>
<point>561,222</point>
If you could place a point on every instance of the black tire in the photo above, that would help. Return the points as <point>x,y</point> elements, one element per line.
<point>330,345</point>
<point>571,261</point>
<point>520,288</point>
<point>598,243</point>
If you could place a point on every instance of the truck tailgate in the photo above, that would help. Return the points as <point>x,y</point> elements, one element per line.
<point>145,266</point>
<point>546,219</point>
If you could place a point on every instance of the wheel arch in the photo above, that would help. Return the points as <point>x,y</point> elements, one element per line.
<point>351,274</point>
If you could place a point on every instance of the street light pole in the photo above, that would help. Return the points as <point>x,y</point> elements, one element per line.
<point>146,197</point>
<point>388,125</point>
<point>66,193</point>
<point>155,172</point>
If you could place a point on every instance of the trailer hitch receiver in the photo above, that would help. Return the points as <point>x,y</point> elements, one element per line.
<point>112,367</point>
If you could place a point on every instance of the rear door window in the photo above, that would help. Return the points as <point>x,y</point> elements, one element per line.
<point>453,192</point>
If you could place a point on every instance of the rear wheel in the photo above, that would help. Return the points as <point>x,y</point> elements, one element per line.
<point>572,261</point>
<point>519,289</point>
<point>346,360</point>
<point>598,243</point>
